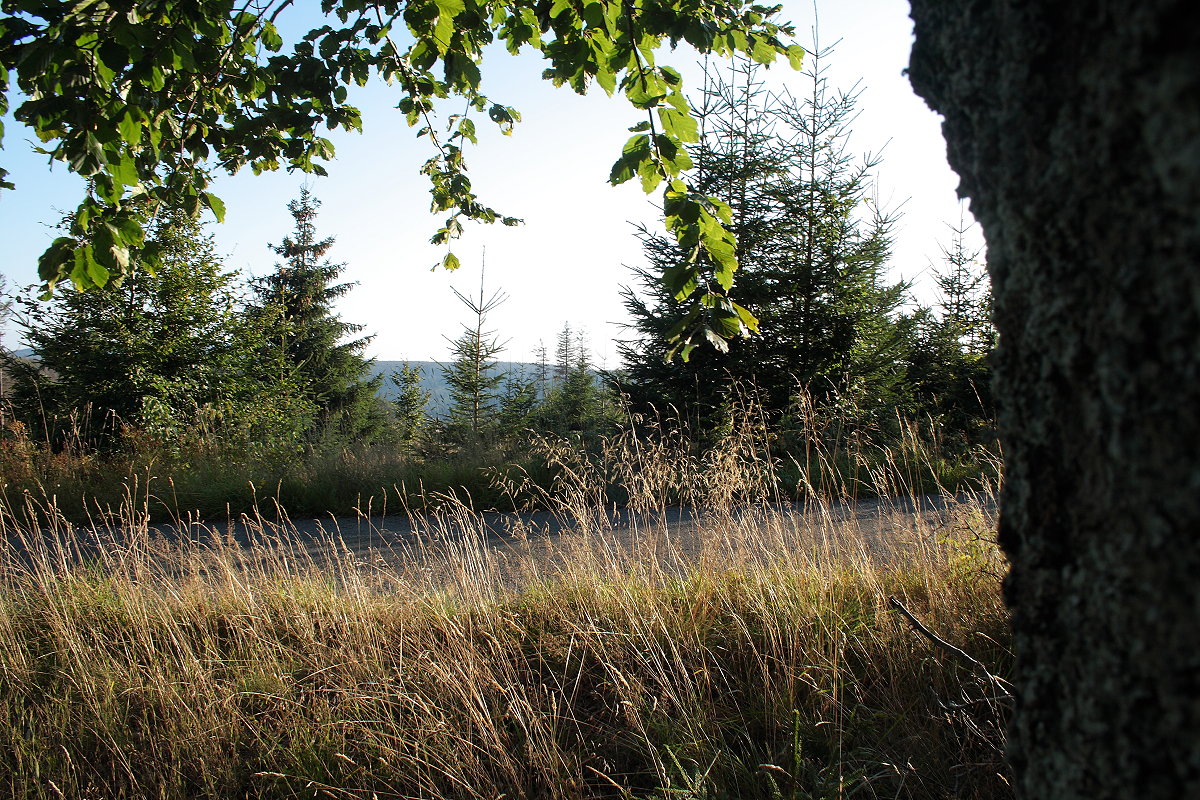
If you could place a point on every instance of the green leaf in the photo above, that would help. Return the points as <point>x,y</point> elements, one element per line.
<point>110,248</point>
<point>450,262</point>
<point>443,33</point>
<point>680,162</point>
<point>724,211</point>
<point>795,55</point>
<point>505,117</point>
<point>726,324</point>
<point>645,89</point>
<point>679,102</point>
<point>622,171</point>
<point>748,319</point>
<point>52,264</point>
<point>129,231</point>
<point>271,38</point>
<point>679,208</point>
<point>467,128</point>
<point>80,259</point>
<point>423,54</point>
<point>190,204</point>
<point>680,126</point>
<point>83,215</point>
<point>593,14</point>
<point>215,205</point>
<point>681,280</point>
<point>721,246</point>
<point>130,127</point>
<point>124,171</point>
<point>762,50</point>
<point>637,146</point>
<point>650,175</point>
<point>97,273</point>
<point>607,79</point>
<point>158,79</point>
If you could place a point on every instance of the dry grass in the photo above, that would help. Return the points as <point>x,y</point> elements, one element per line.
<point>755,655</point>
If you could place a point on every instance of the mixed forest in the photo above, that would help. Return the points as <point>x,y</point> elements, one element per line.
<point>212,392</point>
<point>761,566</point>
<point>764,558</point>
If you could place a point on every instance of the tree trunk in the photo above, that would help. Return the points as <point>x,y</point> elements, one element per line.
<point>1075,125</point>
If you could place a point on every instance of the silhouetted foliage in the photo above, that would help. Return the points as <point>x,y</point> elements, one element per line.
<point>813,250</point>
<point>149,350</point>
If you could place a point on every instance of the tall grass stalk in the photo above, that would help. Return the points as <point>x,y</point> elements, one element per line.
<point>749,652</point>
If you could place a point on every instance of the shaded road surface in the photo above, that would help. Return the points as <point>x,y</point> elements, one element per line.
<point>494,548</point>
<point>672,535</point>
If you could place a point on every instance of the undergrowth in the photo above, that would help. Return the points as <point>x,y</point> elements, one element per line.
<point>203,475</point>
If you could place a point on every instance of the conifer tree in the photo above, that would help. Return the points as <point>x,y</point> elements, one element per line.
<point>306,334</point>
<point>517,404</point>
<point>965,295</point>
<point>148,350</point>
<point>564,354</point>
<point>951,355</point>
<point>6,304</point>
<point>471,375</point>
<point>542,366</point>
<point>410,403</point>
<point>577,402</point>
<point>813,253</point>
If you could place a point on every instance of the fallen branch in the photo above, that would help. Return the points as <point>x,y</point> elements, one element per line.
<point>920,628</point>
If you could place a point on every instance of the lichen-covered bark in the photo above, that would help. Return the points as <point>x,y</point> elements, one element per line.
<point>1075,126</point>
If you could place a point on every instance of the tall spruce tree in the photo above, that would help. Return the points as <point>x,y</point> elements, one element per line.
<point>813,253</point>
<point>564,353</point>
<point>541,369</point>
<point>307,336</point>
<point>965,293</point>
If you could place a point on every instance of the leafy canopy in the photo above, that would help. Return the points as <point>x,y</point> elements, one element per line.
<point>147,99</point>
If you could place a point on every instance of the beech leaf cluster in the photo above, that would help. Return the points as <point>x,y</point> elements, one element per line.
<point>148,100</point>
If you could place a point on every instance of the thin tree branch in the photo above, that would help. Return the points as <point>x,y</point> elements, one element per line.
<point>920,628</point>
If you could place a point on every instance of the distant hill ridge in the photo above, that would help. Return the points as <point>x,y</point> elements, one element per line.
<point>432,379</point>
<point>434,382</point>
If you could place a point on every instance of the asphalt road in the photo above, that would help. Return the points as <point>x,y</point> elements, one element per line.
<point>502,544</point>
<point>402,538</point>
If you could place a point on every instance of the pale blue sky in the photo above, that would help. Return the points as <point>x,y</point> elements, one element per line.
<point>567,263</point>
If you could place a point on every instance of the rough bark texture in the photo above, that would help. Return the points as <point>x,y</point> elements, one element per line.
<point>1075,125</point>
